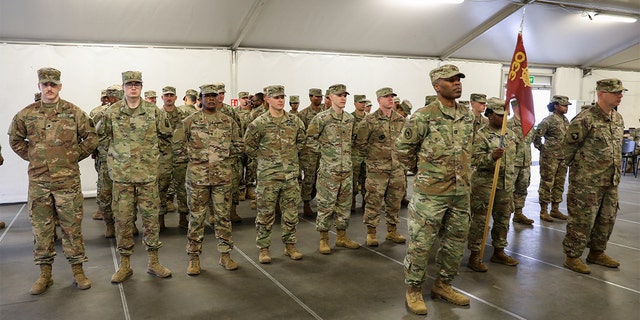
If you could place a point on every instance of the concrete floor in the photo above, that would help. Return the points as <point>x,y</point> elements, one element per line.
<point>348,284</point>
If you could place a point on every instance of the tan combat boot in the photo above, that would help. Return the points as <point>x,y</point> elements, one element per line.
<point>575,264</point>
<point>445,292</point>
<point>183,222</point>
<point>324,243</point>
<point>170,206</point>
<point>264,256</point>
<point>124,270</point>
<point>44,280</point>
<point>519,217</point>
<point>291,252</point>
<point>544,215</point>
<point>79,278</point>
<point>253,205</point>
<point>242,195</point>
<point>194,265</point>
<point>227,262</point>
<point>371,237</point>
<point>98,215</point>
<point>475,263</point>
<point>415,301</point>
<point>2,224</point>
<point>235,218</point>
<point>601,258</point>
<point>307,212</point>
<point>251,194</point>
<point>161,225</point>
<point>393,235</point>
<point>500,257</point>
<point>555,211</point>
<point>343,241</point>
<point>154,267</point>
<point>110,231</point>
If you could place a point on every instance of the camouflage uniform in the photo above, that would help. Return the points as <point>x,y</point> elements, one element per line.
<point>330,134</point>
<point>594,153</point>
<point>133,138</point>
<point>53,138</point>
<point>522,163</point>
<point>375,141</point>
<point>178,164</point>
<point>357,160</point>
<point>553,170</point>
<point>308,157</point>
<point>275,143</point>
<point>211,141</point>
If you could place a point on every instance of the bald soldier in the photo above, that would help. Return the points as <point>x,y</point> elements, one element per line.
<point>53,135</point>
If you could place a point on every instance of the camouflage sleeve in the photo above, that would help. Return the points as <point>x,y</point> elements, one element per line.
<point>313,133</point>
<point>163,126</point>
<point>541,130</point>
<point>408,143</point>
<point>362,138</point>
<point>302,133</point>
<point>88,139</point>
<point>574,138</point>
<point>237,143</point>
<point>18,137</point>
<point>179,139</point>
<point>251,139</point>
<point>482,157</point>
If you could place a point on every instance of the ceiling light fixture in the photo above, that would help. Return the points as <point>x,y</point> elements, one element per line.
<point>606,17</point>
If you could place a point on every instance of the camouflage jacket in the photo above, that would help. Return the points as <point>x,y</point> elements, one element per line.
<point>523,147</point>
<point>376,140</point>
<point>275,145</point>
<point>133,136</point>
<point>593,148</point>
<point>307,114</point>
<point>355,155</point>
<point>211,140</point>
<point>96,115</point>
<point>188,108</point>
<point>485,141</point>
<point>173,150</point>
<point>53,138</point>
<point>479,122</point>
<point>553,129</point>
<point>436,143</point>
<point>331,135</point>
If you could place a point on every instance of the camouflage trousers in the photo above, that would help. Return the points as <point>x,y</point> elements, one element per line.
<point>287,193</point>
<point>200,200</point>
<point>124,204</point>
<point>334,200</point>
<point>165,170</point>
<point>523,179</point>
<point>51,202</point>
<point>431,217</point>
<point>553,173</point>
<point>387,187</point>
<point>480,195</point>
<point>235,180</point>
<point>592,215</point>
<point>179,175</point>
<point>250,172</point>
<point>105,190</point>
<point>359,176</point>
<point>309,165</point>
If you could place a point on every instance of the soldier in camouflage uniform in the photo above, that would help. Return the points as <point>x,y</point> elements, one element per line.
<point>274,140</point>
<point>294,103</point>
<point>309,157</point>
<point>212,140</point>
<point>104,100</point>
<point>165,163</point>
<point>436,143</point>
<point>258,107</point>
<point>429,98</point>
<point>53,135</point>
<point>244,112</point>
<point>478,103</point>
<point>190,98</point>
<point>133,128</point>
<point>151,97</point>
<point>522,165</point>
<point>553,170</point>
<point>593,150</point>
<point>367,106</point>
<point>385,184</point>
<point>488,147</point>
<point>330,134</point>
<point>357,160</point>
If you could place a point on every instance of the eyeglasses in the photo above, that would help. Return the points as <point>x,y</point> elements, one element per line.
<point>133,84</point>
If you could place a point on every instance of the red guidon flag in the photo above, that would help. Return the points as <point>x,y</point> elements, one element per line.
<point>519,87</point>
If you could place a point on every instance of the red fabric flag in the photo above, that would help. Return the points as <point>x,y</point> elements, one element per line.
<point>519,87</point>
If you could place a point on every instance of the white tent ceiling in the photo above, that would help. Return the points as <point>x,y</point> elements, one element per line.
<point>554,31</point>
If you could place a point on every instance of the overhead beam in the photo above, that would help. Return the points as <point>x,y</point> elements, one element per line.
<point>248,22</point>
<point>609,53</point>
<point>486,25</point>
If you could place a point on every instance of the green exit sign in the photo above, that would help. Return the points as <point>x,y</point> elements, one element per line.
<point>531,78</point>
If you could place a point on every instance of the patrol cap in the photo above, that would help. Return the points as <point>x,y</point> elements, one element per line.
<point>478,97</point>
<point>406,106</point>
<point>274,91</point>
<point>220,87</point>
<point>150,94</point>
<point>48,75</point>
<point>114,90</point>
<point>243,94</point>
<point>359,98</point>
<point>561,100</point>
<point>190,92</point>
<point>315,92</point>
<point>264,90</point>
<point>367,103</point>
<point>37,96</point>
<point>445,72</point>
<point>131,76</point>
<point>169,90</point>
<point>610,85</point>
<point>429,99</point>
<point>465,103</point>
<point>326,93</point>
<point>496,105</point>
<point>337,89</point>
<point>385,92</point>
<point>294,99</point>
<point>396,100</point>
<point>208,89</point>
<point>103,93</point>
